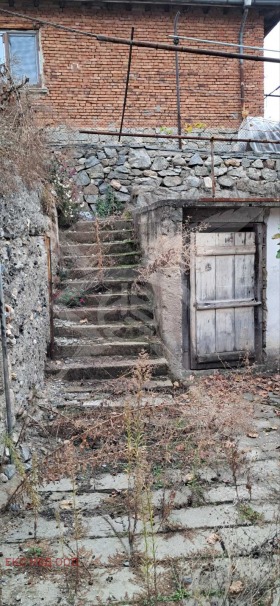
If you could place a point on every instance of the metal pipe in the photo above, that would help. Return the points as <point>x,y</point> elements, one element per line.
<point>9,415</point>
<point>185,49</point>
<point>50,288</point>
<point>187,137</point>
<point>241,62</point>
<point>141,44</point>
<point>269,50</point>
<point>212,167</point>
<point>273,91</point>
<point>176,42</point>
<point>127,82</point>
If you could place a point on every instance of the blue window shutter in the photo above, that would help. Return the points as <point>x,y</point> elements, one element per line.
<point>24,57</point>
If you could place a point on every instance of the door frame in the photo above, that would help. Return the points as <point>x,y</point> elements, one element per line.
<point>257,226</point>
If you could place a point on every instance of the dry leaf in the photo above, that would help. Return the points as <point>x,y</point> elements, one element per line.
<point>180,447</point>
<point>236,587</point>
<point>85,321</point>
<point>66,504</point>
<point>189,478</point>
<point>251,434</point>
<point>271,428</point>
<point>213,538</point>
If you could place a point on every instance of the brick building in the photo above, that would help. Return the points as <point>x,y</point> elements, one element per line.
<point>79,81</point>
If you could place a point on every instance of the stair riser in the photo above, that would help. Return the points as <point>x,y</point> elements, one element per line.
<point>92,249</point>
<point>79,374</point>
<point>87,237</point>
<point>98,316</point>
<point>93,286</point>
<point>116,300</point>
<point>87,262</point>
<point>107,225</point>
<point>79,351</point>
<point>95,332</point>
<point>124,273</point>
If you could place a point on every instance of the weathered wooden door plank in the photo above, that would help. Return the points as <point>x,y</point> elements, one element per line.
<point>223,297</point>
<point>207,251</point>
<point>226,304</point>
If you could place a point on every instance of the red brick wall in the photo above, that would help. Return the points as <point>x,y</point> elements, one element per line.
<point>86,79</point>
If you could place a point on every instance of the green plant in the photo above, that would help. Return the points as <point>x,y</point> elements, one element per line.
<point>277,237</point>
<point>65,192</point>
<point>157,473</point>
<point>71,298</point>
<point>109,205</point>
<point>30,479</point>
<point>127,215</point>
<point>165,130</point>
<point>249,514</point>
<point>188,128</point>
<point>32,552</point>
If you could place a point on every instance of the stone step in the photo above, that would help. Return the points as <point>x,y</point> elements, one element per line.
<point>96,388</point>
<point>104,368</point>
<point>103,224</point>
<point>108,248</point>
<point>114,331</point>
<point>107,261</point>
<point>89,237</point>
<point>105,284</point>
<point>77,348</point>
<point>122,299</point>
<point>104,314</point>
<point>124,272</point>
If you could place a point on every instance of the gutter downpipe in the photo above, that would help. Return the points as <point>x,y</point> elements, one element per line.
<point>241,61</point>
<point>176,41</point>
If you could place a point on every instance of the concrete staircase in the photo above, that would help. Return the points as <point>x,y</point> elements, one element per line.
<point>101,322</point>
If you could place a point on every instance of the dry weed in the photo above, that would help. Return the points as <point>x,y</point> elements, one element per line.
<point>23,152</point>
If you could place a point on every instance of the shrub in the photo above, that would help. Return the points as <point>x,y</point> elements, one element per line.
<point>23,153</point>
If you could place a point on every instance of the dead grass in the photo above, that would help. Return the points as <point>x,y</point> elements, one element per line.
<point>162,447</point>
<point>23,152</point>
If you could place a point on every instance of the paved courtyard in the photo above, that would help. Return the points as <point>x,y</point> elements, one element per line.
<point>137,513</point>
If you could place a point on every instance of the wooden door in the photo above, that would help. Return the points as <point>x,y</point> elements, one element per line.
<point>222,298</point>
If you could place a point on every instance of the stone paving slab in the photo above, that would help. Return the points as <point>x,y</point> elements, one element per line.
<point>46,529</point>
<point>44,592</point>
<point>108,482</point>
<point>243,540</point>
<point>104,526</point>
<point>267,471</point>
<point>64,485</point>
<point>111,585</point>
<point>226,494</point>
<point>176,545</point>
<point>218,515</point>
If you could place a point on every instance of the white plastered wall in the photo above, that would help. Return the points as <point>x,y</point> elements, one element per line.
<point>273,288</point>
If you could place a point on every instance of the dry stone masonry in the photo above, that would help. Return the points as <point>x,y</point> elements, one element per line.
<point>138,165</point>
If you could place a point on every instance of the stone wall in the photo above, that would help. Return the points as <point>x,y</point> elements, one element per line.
<point>160,237</point>
<point>23,254</point>
<point>159,183</point>
<point>137,166</point>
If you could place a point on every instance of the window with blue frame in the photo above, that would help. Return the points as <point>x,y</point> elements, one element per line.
<point>19,51</point>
